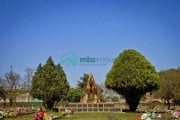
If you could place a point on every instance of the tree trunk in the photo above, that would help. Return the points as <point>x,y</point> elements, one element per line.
<point>168,103</point>
<point>44,104</point>
<point>49,104</point>
<point>4,103</point>
<point>133,101</point>
<point>10,102</point>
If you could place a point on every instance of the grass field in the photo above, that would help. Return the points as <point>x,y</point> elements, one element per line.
<point>102,116</point>
<point>90,116</point>
<point>86,116</point>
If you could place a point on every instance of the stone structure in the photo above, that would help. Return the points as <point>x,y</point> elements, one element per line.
<point>93,107</point>
<point>90,102</point>
<point>90,89</point>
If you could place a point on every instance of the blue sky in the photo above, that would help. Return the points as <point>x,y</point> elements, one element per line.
<point>33,30</point>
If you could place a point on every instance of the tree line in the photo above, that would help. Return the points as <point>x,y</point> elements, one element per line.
<point>131,76</point>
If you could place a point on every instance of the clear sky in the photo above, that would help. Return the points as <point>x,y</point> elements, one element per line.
<point>71,30</point>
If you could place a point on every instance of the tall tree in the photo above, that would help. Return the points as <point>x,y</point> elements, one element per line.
<point>12,80</point>
<point>169,85</point>
<point>28,76</point>
<point>49,83</point>
<point>132,76</point>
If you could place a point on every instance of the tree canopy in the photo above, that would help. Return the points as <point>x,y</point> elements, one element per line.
<point>49,83</point>
<point>132,75</point>
<point>83,81</point>
<point>74,95</point>
<point>169,85</point>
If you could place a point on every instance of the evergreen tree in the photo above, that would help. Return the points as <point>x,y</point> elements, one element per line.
<point>49,83</point>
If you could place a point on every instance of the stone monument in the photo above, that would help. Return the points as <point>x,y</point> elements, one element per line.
<point>90,102</point>
<point>90,89</point>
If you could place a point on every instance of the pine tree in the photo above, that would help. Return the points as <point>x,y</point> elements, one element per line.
<point>49,83</point>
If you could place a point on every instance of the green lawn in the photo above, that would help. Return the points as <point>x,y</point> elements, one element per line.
<point>102,116</point>
<point>89,116</point>
<point>86,116</point>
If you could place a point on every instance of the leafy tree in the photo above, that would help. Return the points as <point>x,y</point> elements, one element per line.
<point>49,83</point>
<point>169,85</point>
<point>74,95</point>
<point>83,81</point>
<point>132,76</point>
